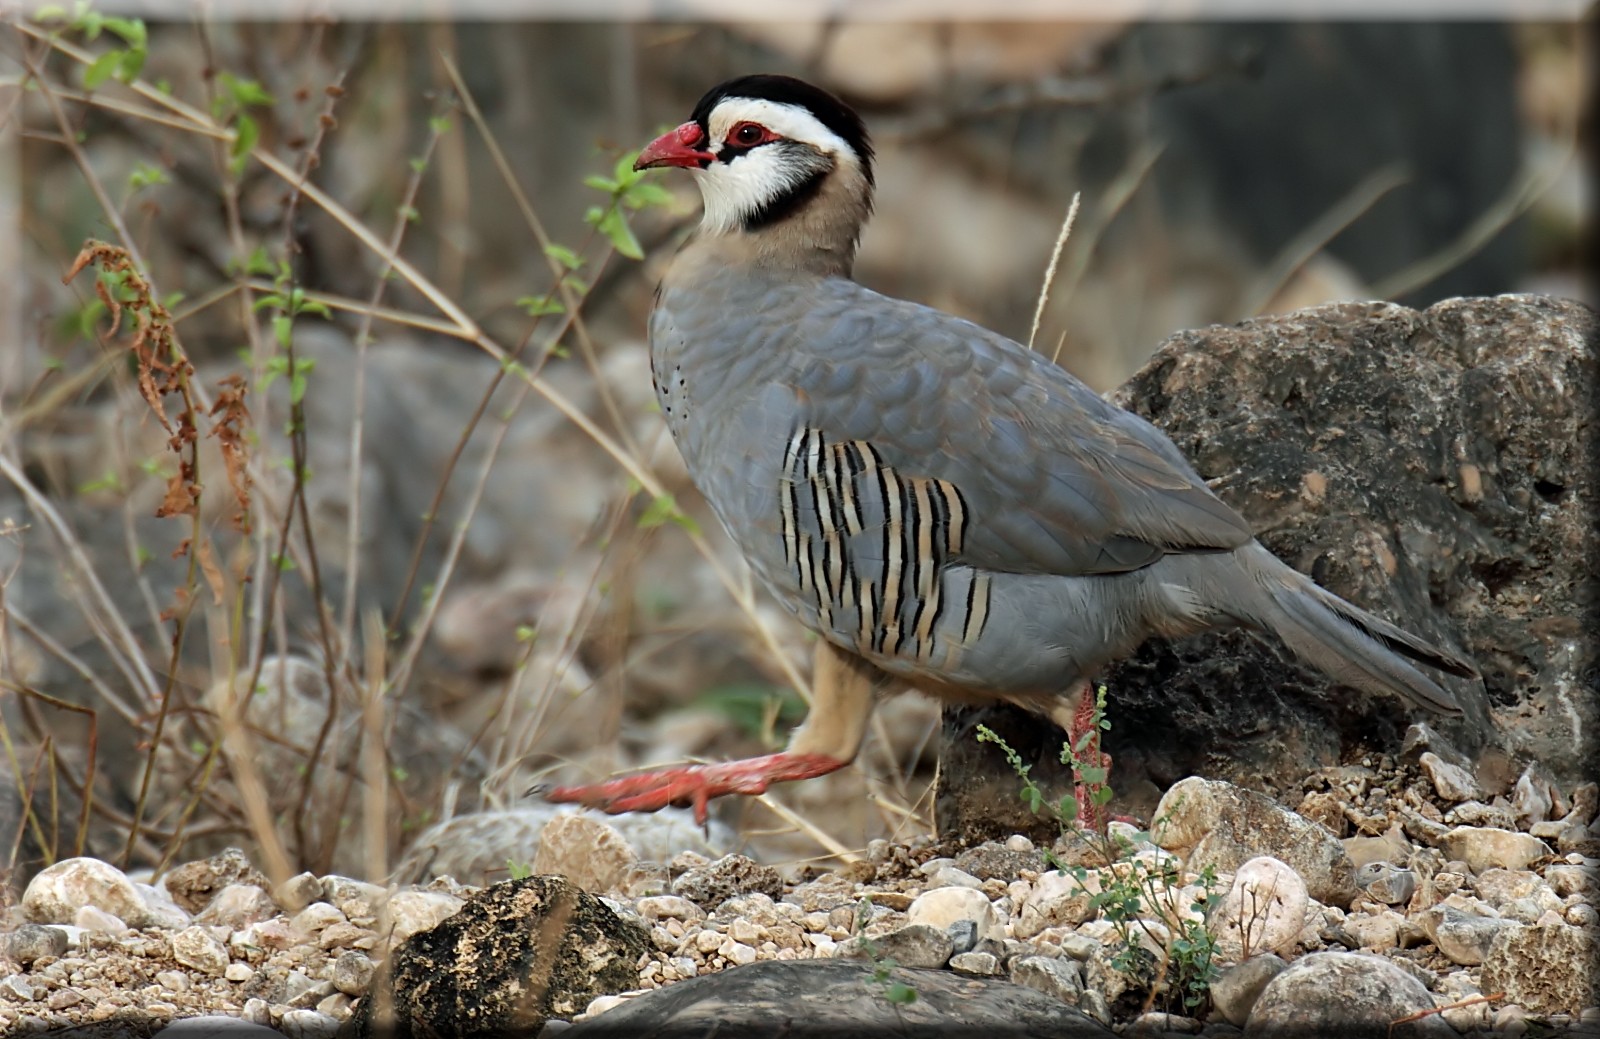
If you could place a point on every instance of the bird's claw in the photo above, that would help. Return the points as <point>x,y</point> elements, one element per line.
<point>693,785</point>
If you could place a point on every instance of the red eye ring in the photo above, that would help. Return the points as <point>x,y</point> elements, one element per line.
<point>748,135</point>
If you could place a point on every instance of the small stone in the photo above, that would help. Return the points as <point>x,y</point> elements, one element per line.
<point>1464,939</point>
<point>1498,886</point>
<point>16,987</point>
<point>742,930</point>
<point>93,918</point>
<point>193,885</point>
<point>1263,911</point>
<point>1451,782</point>
<point>1567,878</point>
<point>336,1006</point>
<point>62,998</point>
<point>950,876</point>
<point>238,972</point>
<point>1156,1022</point>
<point>1376,932</point>
<point>1483,848</point>
<point>352,973</point>
<point>1236,989</point>
<point>160,909</point>
<point>173,981</point>
<point>194,947</point>
<point>299,891</point>
<point>916,945</point>
<point>1531,799</point>
<point>1057,900</point>
<point>238,905</point>
<point>1387,883</point>
<point>668,907</point>
<point>941,907</point>
<point>600,1004</point>
<point>1078,946</point>
<point>1585,916</point>
<point>410,912</point>
<point>56,893</point>
<point>1478,814</point>
<point>1017,842</point>
<point>1095,1005</point>
<point>32,942</point>
<point>738,953</point>
<point>587,851</point>
<point>311,920</point>
<point>980,963</point>
<point>256,1011</point>
<point>308,1024</point>
<point>1061,978</point>
<point>716,882</point>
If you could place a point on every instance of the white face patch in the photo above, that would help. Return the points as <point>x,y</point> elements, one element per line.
<point>735,190</point>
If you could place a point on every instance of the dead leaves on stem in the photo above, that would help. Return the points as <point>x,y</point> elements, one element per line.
<point>162,373</point>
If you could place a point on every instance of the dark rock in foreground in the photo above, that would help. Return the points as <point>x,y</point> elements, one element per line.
<point>517,954</point>
<point>841,1000</point>
<point>1435,467</point>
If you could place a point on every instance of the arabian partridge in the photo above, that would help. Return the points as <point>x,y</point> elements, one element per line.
<point>946,508</point>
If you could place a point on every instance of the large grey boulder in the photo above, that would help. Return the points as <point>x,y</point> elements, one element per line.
<point>1432,466</point>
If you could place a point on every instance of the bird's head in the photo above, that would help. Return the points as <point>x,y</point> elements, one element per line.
<point>769,150</point>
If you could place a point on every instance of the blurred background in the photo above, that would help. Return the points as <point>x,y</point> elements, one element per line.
<point>448,591</point>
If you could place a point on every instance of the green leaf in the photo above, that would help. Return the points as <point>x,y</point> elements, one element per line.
<point>900,994</point>
<point>132,31</point>
<point>1092,775</point>
<point>1067,808</point>
<point>1101,796</point>
<point>599,183</point>
<point>243,92</point>
<point>664,509</point>
<point>282,329</point>
<point>258,263</point>
<point>539,306</point>
<point>50,13</point>
<point>439,124</point>
<point>564,256</point>
<point>101,69</point>
<point>132,64</point>
<point>418,164</point>
<point>615,227</point>
<point>245,135</point>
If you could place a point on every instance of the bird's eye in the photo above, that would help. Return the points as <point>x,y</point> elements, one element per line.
<point>748,134</point>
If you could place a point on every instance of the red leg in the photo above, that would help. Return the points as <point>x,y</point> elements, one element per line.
<point>696,784</point>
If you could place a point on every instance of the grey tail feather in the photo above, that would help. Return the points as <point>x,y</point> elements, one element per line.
<point>1357,648</point>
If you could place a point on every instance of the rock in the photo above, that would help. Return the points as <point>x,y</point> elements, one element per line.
<point>238,972</point>
<point>1534,967</point>
<point>1464,938</point>
<point>32,942</point>
<point>410,912</point>
<point>1404,459</point>
<point>1387,883</point>
<point>982,964</point>
<point>1263,911</point>
<point>585,850</point>
<point>299,891</point>
<point>945,906</point>
<point>1156,1022</point>
<point>476,847</point>
<point>1567,878</point>
<point>1451,782</point>
<point>160,910</point>
<point>1056,900</point>
<point>668,907</point>
<point>308,1024</point>
<point>216,1026</point>
<point>194,884</point>
<point>731,875</point>
<point>1458,987</point>
<point>1236,989</point>
<point>1375,932</point>
<point>1354,995</point>
<point>352,973</point>
<point>16,987</point>
<point>1218,824</point>
<point>1483,848</point>
<point>916,945</point>
<point>1057,978</point>
<point>1498,886</point>
<point>315,918</point>
<point>1391,847</point>
<point>92,918</point>
<point>238,905</point>
<point>1532,798</point>
<point>516,954</point>
<point>841,999</point>
<point>1476,813</point>
<point>57,892</point>
<point>196,948</point>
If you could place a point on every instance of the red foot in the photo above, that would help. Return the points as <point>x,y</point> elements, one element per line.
<point>695,784</point>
